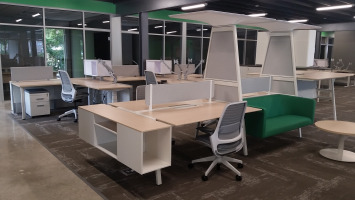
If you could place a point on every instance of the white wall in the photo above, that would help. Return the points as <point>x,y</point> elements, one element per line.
<point>304,41</point>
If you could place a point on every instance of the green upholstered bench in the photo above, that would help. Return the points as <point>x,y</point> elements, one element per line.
<point>280,113</point>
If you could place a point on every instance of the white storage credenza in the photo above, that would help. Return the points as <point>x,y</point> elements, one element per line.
<point>139,142</point>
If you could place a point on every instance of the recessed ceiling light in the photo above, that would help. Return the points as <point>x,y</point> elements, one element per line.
<point>194,6</point>
<point>205,29</point>
<point>170,32</point>
<point>258,15</point>
<point>159,26</point>
<point>18,20</point>
<point>80,24</point>
<point>105,22</point>
<point>298,21</point>
<point>334,7</point>
<point>133,29</point>
<point>36,15</point>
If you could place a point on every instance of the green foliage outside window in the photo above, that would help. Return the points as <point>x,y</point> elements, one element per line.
<point>55,44</point>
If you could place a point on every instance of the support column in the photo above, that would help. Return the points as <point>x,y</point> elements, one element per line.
<point>183,45</point>
<point>143,41</point>
<point>116,41</point>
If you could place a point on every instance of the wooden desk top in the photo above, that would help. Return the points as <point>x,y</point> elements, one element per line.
<point>129,119</point>
<point>86,82</point>
<point>180,113</point>
<point>337,127</point>
<point>141,106</point>
<point>98,85</point>
<point>171,78</point>
<point>36,83</point>
<point>316,75</point>
<point>320,75</point>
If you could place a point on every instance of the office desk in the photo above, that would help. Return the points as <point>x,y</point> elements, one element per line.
<point>89,83</point>
<point>181,113</point>
<point>321,75</point>
<point>131,125</point>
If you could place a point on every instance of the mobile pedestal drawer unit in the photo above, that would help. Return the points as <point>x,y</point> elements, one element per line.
<point>37,102</point>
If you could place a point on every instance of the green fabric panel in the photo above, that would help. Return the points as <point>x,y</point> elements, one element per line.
<point>254,123</point>
<point>85,5</point>
<point>281,124</point>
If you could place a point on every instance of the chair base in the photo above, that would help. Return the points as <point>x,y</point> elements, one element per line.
<point>72,111</point>
<point>225,160</point>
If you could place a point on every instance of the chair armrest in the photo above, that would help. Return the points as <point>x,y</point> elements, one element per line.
<point>302,106</point>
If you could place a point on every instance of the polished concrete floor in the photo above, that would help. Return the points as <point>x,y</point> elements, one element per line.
<point>28,171</point>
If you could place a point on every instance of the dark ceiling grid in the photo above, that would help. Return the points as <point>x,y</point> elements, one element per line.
<point>282,9</point>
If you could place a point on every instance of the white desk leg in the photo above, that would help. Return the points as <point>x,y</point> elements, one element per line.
<point>89,102</point>
<point>348,83</point>
<point>158,177</point>
<point>23,105</point>
<point>12,99</point>
<point>245,146</point>
<point>333,99</point>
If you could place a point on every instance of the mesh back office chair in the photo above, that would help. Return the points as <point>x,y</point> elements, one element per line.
<point>69,95</point>
<point>150,78</point>
<point>225,139</point>
<point>140,92</point>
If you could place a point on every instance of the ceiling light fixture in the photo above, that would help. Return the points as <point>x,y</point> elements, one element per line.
<point>159,26</point>
<point>170,32</point>
<point>133,29</point>
<point>334,7</point>
<point>18,20</point>
<point>36,15</point>
<point>258,15</point>
<point>298,21</point>
<point>205,29</point>
<point>105,22</point>
<point>194,6</point>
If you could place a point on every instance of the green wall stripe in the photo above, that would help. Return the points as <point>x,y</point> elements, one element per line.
<point>85,5</point>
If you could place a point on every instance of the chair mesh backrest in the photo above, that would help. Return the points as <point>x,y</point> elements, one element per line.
<point>150,78</point>
<point>68,91</point>
<point>231,121</point>
<point>140,92</point>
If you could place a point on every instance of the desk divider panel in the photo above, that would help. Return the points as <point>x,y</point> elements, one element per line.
<point>31,73</point>
<point>126,70</point>
<point>167,93</point>
<point>255,84</point>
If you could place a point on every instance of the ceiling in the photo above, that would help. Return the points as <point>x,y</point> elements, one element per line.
<point>282,9</point>
<point>288,9</point>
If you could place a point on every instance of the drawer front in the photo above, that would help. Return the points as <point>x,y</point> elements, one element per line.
<point>38,97</point>
<point>38,108</point>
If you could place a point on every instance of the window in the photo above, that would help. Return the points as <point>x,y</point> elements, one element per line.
<point>20,15</point>
<point>247,39</point>
<point>63,18</point>
<point>97,20</point>
<point>65,50</point>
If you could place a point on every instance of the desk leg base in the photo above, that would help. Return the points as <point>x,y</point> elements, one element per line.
<point>158,177</point>
<point>335,154</point>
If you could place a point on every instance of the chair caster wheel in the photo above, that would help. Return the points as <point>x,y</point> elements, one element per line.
<point>218,166</point>
<point>240,165</point>
<point>204,178</point>
<point>238,178</point>
<point>58,119</point>
<point>75,120</point>
<point>190,165</point>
